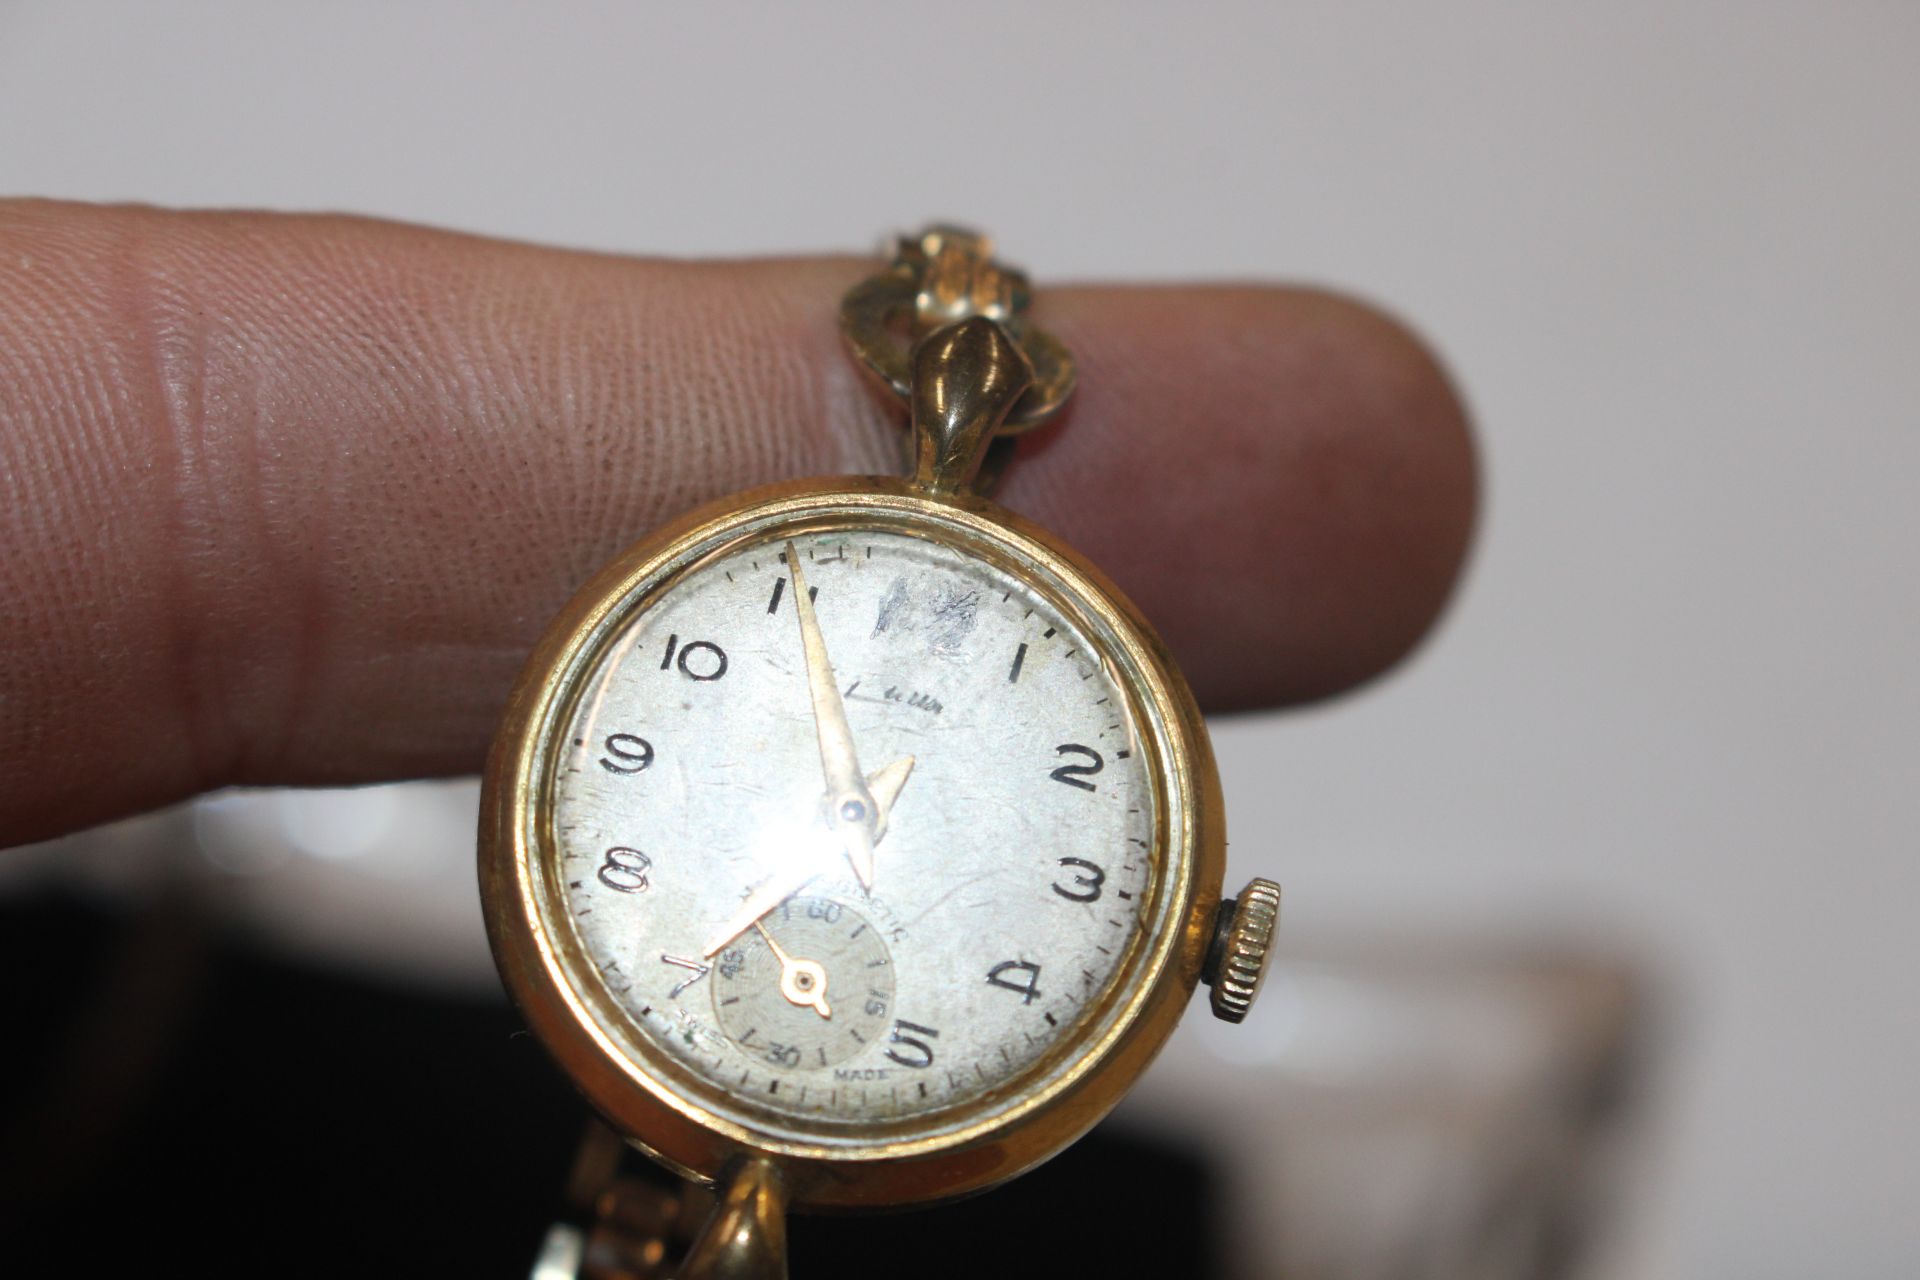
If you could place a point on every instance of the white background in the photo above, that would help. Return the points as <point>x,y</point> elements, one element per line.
<point>1672,254</point>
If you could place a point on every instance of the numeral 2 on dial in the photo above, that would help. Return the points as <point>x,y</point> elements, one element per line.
<point>1073,774</point>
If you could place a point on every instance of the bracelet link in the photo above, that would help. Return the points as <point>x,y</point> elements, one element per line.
<point>938,278</point>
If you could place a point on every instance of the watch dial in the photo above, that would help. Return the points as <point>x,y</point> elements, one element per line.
<point>861,861</point>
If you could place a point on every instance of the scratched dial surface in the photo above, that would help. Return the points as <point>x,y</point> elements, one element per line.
<point>1013,871</point>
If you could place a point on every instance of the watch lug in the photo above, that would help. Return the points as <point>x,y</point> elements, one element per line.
<point>966,379</point>
<point>746,1238</point>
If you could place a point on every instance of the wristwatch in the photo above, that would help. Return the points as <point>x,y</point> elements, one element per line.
<point>853,842</point>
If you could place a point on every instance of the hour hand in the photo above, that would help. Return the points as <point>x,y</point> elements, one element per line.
<point>885,784</point>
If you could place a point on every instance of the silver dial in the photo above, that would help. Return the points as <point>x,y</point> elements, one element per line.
<point>881,729</point>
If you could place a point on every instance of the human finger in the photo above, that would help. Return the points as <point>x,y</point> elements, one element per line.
<point>287,499</point>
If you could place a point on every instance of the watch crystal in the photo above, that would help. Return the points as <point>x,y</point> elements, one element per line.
<point>822,942</point>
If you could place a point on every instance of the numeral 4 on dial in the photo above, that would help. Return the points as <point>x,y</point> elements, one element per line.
<point>1025,979</point>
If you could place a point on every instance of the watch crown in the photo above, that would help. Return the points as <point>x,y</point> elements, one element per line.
<point>1242,939</point>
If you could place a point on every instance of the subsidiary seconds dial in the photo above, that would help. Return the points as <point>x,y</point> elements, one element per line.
<point>856,825</point>
<point>809,986</point>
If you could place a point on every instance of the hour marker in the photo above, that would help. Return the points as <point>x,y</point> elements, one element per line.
<point>779,589</point>
<point>1052,1021</point>
<point>1122,755</point>
<point>1047,634</point>
<point>1019,660</point>
<point>699,969</point>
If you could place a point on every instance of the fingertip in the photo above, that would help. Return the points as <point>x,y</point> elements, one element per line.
<point>1283,479</point>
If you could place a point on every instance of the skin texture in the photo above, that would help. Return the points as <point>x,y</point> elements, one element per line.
<point>288,499</point>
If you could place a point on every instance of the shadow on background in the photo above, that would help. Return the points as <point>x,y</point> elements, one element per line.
<point>180,1101</point>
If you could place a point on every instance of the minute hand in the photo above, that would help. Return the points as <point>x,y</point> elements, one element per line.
<point>850,806</point>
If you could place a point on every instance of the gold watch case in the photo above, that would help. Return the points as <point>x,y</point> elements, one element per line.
<point>688,1123</point>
